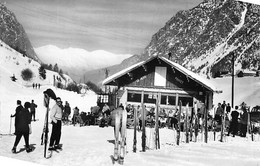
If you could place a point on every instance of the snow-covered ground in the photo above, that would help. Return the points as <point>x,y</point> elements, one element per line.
<point>91,145</point>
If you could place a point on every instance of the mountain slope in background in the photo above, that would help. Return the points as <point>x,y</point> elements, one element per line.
<point>76,61</point>
<point>204,38</point>
<point>13,62</point>
<point>13,34</point>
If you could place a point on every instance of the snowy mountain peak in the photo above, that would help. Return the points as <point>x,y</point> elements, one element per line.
<point>204,38</point>
<point>77,60</point>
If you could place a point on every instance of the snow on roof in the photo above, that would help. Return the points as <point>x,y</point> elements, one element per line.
<point>122,72</point>
<point>192,75</point>
<point>188,73</point>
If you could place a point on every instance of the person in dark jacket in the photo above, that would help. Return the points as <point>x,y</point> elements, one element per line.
<point>17,110</point>
<point>23,127</point>
<point>234,122</point>
<point>228,108</point>
<point>67,111</point>
<point>219,113</point>
<point>244,120</point>
<point>33,108</point>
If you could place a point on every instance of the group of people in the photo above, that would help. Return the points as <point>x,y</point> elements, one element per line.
<point>237,120</point>
<point>23,117</point>
<point>35,85</point>
<point>78,117</point>
<point>82,118</point>
<point>164,118</point>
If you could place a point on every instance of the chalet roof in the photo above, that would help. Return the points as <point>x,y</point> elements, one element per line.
<point>203,81</point>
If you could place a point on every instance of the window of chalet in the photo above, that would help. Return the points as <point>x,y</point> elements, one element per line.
<point>160,76</point>
<point>171,100</point>
<point>103,98</point>
<point>186,100</point>
<point>134,97</point>
<point>149,98</point>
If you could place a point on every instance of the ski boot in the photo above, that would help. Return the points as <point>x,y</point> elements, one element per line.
<point>14,150</point>
<point>121,160</point>
<point>28,149</point>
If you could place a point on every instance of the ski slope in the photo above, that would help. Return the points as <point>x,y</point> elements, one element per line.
<point>91,145</point>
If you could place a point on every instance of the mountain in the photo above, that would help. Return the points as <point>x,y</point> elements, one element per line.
<point>204,38</point>
<point>12,63</point>
<point>13,34</point>
<point>76,61</point>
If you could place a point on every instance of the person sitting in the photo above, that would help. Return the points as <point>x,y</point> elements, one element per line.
<point>162,119</point>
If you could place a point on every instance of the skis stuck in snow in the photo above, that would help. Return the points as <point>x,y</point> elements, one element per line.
<point>120,136</point>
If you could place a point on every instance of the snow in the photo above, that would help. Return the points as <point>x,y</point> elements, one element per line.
<point>91,145</point>
<point>251,1</point>
<point>83,59</point>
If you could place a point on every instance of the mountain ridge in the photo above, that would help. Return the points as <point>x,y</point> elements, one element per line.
<point>204,38</point>
<point>14,35</point>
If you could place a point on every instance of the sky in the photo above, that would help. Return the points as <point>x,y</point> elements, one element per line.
<point>117,26</point>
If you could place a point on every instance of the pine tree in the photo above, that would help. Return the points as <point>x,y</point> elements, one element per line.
<point>42,72</point>
<point>56,68</point>
<point>50,67</point>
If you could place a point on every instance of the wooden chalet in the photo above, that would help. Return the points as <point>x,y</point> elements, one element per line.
<point>159,81</point>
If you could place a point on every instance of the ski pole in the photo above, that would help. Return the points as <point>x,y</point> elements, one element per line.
<point>10,125</point>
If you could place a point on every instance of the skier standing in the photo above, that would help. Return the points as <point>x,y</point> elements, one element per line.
<point>234,122</point>
<point>67,111</point>
<point>56,115</point>
<point>17,110</point>
<point>23,127</point>
<point>32,108</point>
<point>219,114</point>
<point>244,118</point>
<point>75,115</point>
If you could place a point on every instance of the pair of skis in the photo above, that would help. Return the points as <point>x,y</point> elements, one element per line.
<point>135,128</point>
<point>120,129</point>
<point>223,127</point>
<point>179,124</point>
<point>44,138</point>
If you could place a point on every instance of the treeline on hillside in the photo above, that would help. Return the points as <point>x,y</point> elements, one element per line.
<point>77,87</point>
<point>94,87</point>
<point>54,68</point>
<point>71,86</point>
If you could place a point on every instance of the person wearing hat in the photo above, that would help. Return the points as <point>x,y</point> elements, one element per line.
<point>56,115</point>
<point>23,127</point>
